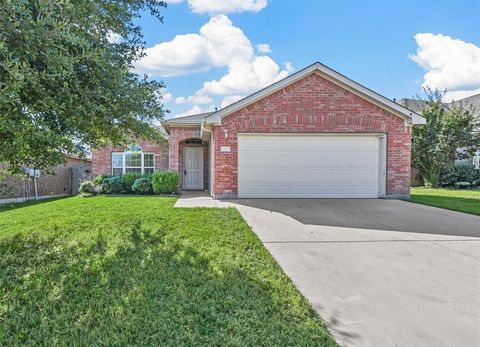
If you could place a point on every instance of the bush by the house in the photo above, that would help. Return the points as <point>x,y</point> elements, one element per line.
<point>87,187</point>
<point>113,185</point>
<point>459,173</point>
<point>130,177</point>
<point>142,186</point>
<point>99,179</point>
<point>165,182</point>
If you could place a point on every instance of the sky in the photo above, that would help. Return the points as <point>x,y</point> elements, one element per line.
<point>211,53</point>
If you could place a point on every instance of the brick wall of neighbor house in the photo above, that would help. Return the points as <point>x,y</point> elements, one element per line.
<point>176,141</point>
<point>102,158</point>
<point>62,182</point>
<point>313,105</point>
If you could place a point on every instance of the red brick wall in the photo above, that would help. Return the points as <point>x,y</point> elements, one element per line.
<point>176,141</point>
<point>102,158</point>
<point>313,105</point>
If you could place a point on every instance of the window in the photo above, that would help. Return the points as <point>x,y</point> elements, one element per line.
<point>132,160</point>
<point>193,142</point>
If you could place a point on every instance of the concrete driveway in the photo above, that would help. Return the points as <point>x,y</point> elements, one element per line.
<point>379,272</point>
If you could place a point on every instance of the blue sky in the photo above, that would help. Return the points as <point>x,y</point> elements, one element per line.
<point>371,42</point>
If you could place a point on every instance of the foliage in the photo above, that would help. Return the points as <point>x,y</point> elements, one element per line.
<point>113,185</point>
<point>165,182</point>
<point>459,173</point>
<point>467,201</point>
<point>6,189</point>
<point>130,177</point>
<point>87,272</point>
<point>87,187</point>
<point>64,83</point>
<point>436,143</point>
<point>142,186</point>
<point>99,179</point>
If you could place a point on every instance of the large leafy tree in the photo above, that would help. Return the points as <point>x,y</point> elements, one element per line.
<point>64,82</point>
<point>448,136</point>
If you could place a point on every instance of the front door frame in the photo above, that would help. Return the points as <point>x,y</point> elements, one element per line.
<point>184,173</point>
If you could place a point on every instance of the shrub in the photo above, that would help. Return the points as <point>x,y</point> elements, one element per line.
<point>459,173</point>
<point>142,186</point>
<point>130,177</point>
<point>87,187</point>
<point>99,179</point>
<point>113,185</point>
<point>165,182</point>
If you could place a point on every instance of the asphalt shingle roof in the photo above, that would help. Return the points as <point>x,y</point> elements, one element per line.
<point>192,119</point>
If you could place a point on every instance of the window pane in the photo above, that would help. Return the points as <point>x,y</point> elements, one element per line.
<point>136,170</point>
<point>148,160</point>
<point>117,159</point>
<point>117,172</point>
<point>148,170</point>
<point>133,159</point>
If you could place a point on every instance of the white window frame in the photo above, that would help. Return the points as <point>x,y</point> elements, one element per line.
<point>124,168</point>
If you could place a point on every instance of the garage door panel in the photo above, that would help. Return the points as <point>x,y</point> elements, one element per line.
<point>308,166</point>
<point>252,175</point>
<point>312,159</point>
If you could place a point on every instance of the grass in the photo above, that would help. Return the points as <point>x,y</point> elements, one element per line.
<point>467,201</point>
<point>123,271</point>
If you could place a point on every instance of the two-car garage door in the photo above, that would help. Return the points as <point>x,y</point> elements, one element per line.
<point>310,166</point>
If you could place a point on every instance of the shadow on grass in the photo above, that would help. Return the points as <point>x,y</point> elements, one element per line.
<point>144,289</point>
<point>19,205</point>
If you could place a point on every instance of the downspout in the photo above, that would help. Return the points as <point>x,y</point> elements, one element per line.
<point>212,154</point>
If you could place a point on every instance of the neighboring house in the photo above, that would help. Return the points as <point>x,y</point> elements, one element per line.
<point>470,103</point>
<point>315,133</point>
<point>65,180</point>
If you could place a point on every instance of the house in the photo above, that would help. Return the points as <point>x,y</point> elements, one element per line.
<point>63,180</point>
<point>471,103</point>
<point>315,133</point>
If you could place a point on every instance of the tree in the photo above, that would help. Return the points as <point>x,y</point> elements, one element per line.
<point>448,136</point>
<point>64,83</point>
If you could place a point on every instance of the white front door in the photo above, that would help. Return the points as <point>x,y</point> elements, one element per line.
<point>193,168</point>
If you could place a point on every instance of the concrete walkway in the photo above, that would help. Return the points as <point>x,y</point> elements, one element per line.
<point>379,272</point>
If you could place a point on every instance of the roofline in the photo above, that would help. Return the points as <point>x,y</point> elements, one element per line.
<point>411,117</point>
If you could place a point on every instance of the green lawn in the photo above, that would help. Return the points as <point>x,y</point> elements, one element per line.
<point>453,199</point>
<point>134,271</point>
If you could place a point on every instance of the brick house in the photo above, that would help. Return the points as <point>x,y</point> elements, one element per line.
<point>315,133</point>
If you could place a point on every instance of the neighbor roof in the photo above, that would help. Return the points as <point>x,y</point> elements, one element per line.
<point>471,103</point>
<point>410,116</point>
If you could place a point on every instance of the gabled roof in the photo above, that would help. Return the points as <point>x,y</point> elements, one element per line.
<point>410,116</point>
<point>194,119</point>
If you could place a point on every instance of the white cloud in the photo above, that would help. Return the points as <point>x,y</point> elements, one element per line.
<point>228,100</point>
<point>180,100</point>
<point>264,48</point>
<point>194,110</point>
<point>223,6</point>
<point>289,67</point>
<point>216,44</point>
<point>226,6</point>
<point>451,64</point>
<point>114,37</point>
<point>167,97</point>
<point>199,99</point>
<point>245,76</point>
